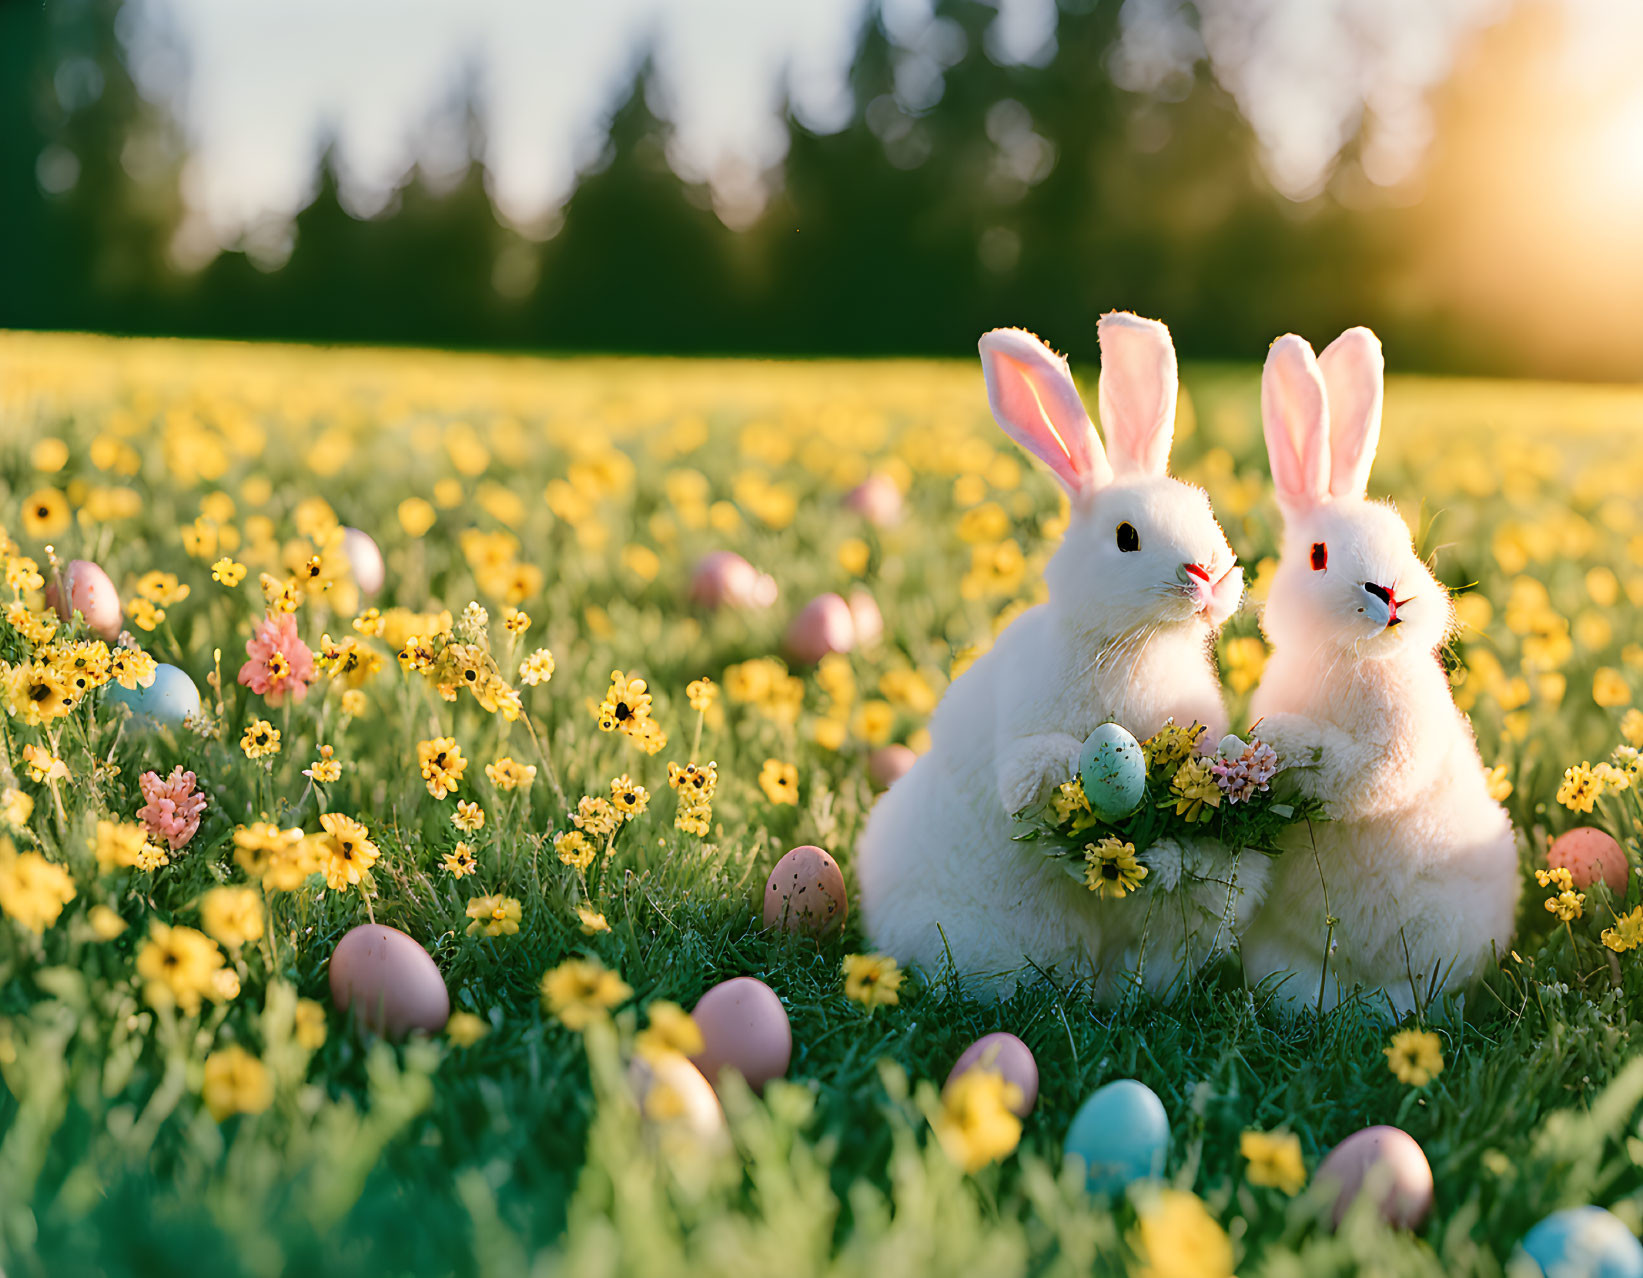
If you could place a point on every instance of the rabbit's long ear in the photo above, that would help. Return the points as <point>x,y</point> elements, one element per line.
<point>1137,394</point>
<point>1295,417</point>
<point>1353,370</point>
<point>1034,399</point>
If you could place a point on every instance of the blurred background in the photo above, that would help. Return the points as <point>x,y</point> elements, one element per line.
<point>832,176</point>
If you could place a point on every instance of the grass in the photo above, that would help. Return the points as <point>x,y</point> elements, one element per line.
<point>594,486</point>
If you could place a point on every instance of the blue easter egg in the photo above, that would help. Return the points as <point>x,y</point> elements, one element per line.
<point>1113,771</point>
<point>1584,1242</point>
<point>170,699</point>
<point>1122,1134</point>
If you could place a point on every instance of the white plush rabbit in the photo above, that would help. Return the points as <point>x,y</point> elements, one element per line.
<point>1137,589</point>
<point>1418,865</point>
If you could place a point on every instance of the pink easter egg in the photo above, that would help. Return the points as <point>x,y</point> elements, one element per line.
<point>869,621</point>
<point>364,559</point>
<point>1007,1055</point>
<point>888,764</point>
<point>91,594</point>
<point>389,981</point>
<point>823,625</point>
<point>1390,1158</point>
<point>723,579</point>
<point>1589,855</point>
<point>745,1028</point>
<point>876,499</point>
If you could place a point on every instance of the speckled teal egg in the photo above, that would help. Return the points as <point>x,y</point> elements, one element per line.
<point>1122,1134</point>
<point>1113,771</point>
<point>1588,1241</point>
<point>170,699</point>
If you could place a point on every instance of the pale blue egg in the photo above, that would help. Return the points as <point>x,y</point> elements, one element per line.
<point>1114,772</point>
<point>170,699</point>
<point>1584,1242</point>
<point>1122,1134</point>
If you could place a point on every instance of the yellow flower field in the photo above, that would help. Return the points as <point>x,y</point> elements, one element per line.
<point>535,749</point>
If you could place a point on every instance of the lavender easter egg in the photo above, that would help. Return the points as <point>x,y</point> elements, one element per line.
<point>1113,771</point>
<point>1585,1241</point>
<point>364,560</point>
<point>1589,855</point>
<point>1384,1160</point>
<point>723,579</point>
<point>88,590</point>
<point>744,1028</point>
<point>390,982</point>
<point>169,700</point>
<point>877,499</point>
<point>823,625</point>
<point>1122,1135</point>
<point>1008,1056</point>
<point>805,893</point>
<point>888,764</point>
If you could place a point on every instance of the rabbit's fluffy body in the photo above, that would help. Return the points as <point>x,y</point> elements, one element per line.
<point>1125,636</point>
<point>1419,864</point>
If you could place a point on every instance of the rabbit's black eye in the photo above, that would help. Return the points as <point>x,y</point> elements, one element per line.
<point>1320,556</point>
<point>1128,538</point>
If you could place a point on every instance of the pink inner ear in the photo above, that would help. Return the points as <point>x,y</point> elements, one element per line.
<point>1037,405</point>
<point>1295,418</point>
<point>1137,394</point>
<point>1353,371</point>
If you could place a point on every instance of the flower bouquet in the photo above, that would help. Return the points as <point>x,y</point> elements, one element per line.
<point>1136,807</point>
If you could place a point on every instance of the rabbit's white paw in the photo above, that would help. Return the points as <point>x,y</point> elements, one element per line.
<point>1163,862</point>
<point>1034,764</point>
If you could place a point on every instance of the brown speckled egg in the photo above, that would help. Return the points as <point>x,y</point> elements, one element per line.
<point>805,893</point>
<point>1390,1158</point>
<point>1007,1055</point>
<point>823,625</point>
<point>888,764</point>
<point>676,1101</point>
<point>1589,855</point>
<point>391,983</point>
<point>89,592</point>
<point>744,1028</point>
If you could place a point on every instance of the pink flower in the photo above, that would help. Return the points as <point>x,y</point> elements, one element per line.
<point>279,662</point>
<point>173,809</point>
<point>1242,778</point>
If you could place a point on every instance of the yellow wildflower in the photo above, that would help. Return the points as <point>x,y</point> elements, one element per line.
<point>1415,1056</point>
<point>1111,868</point>
<point>494,915</point>
<point>1176,1237</point>
<point>671,1030</point>
<point>582,991</point>
<point>1274,1159</point>
<point>873,980</point>
<point>236,1082</point>
<point>260,739</point>
<point>33,890</point>
<point>780,782</point>
<point>977,1124</point>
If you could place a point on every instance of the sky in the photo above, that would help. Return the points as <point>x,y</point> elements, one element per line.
<point>262,80</point>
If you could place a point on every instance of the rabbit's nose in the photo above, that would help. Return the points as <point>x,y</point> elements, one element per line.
<point>1383,607</point>
<point>1192,570</point>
